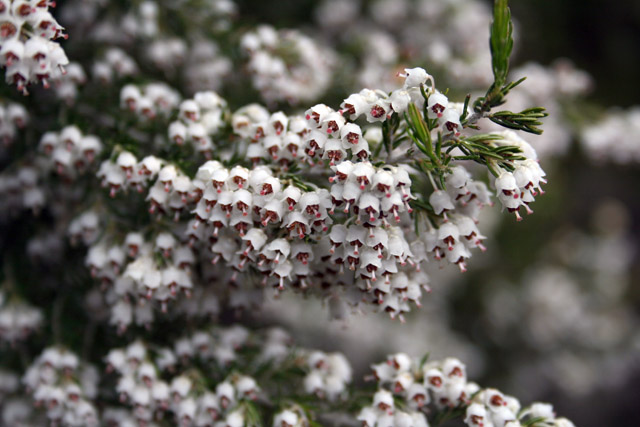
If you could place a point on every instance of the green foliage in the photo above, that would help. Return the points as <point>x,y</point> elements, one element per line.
<point>424,360</point>
<point>296,181</point>
<point>527,120</point>
<point>441,149</point>
<point>252,414</point>
<point>420,132</point>
<point>501,41</point>
<point>501,44</point>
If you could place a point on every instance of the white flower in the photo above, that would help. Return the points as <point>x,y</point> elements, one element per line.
<point>314,383</point>
<point>415,77</point>
<point>235,419</point>
<point>476,415</point>
<point>378,110</point>
<point>417,395</point>
<point>129,96</point>
<point>190,111</point>
<point>538,409</point>
<point>450,121</point>
<point>286,418</point>
<point>436,105</point>
<point>246,387</point>
<point>400,100</point>
<point>187,409</point>
<point>355,105</point>
<point>180,387</point>
<point>441,202</point>
<point>141,396</point>
<point>383,400</point>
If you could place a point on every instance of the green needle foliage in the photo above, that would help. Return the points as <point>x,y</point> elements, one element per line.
<point>501,44</point>
<point>441,148</point>
<point>527,120</point>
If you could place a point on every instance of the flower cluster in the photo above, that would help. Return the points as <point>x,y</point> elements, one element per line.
<point>269,222</point>
<point>85,228</point>
<point>256,212</point>
<point>287,66</point>
<point>199,119</point>
<point>332,138</point>
<point>329,375</point>
<point>489,407</point>
<point>65,388</point>
<point>383,413</point>
<point>454,239</point>
<point>150,100</point>
<point>205,379</point>
<point>27,49</point>
<point>219,345</point>
<point>388,29</point>
<point>9,384</point>
<point>17,320</point>
<point>614,138</point>
<point>137,271</point>
<point>13,117</point>
<point>284,233</point>
<point>22,190</point>
<point>518,188</point>
<point>201,379</point>
<point>205,66</point>
<point>145,20</point>
<point>141,385</point>
<point>46,248</point>
<point>197,60</point>
<point>115,64</point>
<point>171,190</point>
<point>443,384</point>
<point>291,417</point>
<point>271,138</point>
<point>66,83</point>
<point>377,106</point>
<point>69,151</point>
<point>166,53</point>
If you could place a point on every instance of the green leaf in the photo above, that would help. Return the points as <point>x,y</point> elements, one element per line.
<point>399,141</point>
<point>252,414</point>
<point>424,359</point>
<point>483,137</point>
<point>501,44</point>
<point>501,41</point>
<point>465,108</point>
<point>527,120</point>
<point>508,149</point>
<point>417,122</point>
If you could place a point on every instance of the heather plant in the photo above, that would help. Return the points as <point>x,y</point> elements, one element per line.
<point>181,170</point>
